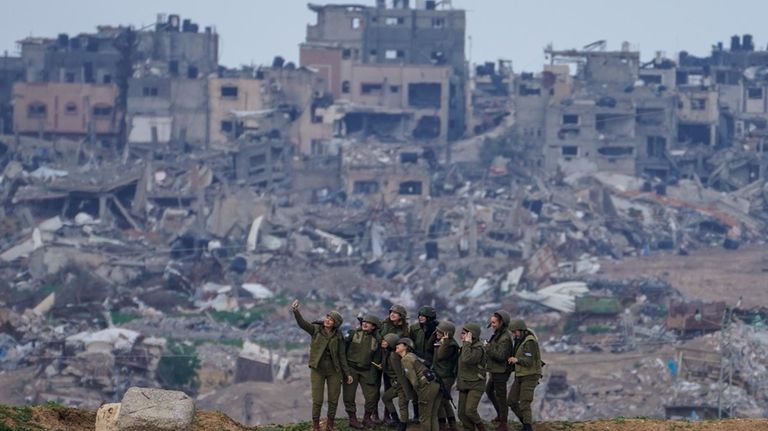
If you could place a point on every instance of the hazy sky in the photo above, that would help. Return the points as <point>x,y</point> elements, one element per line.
<point>254,31</point>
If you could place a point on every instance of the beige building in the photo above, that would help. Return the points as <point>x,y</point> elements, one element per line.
<point>228,95</point>
<point>64,108</point>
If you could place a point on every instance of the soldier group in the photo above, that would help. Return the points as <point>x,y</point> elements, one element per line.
<point>420,363</point>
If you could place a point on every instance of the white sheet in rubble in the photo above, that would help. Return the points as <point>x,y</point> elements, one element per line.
<point>258,291</point>
<point>118,338</point>
<point>25,248</point>
<point>45,173</point>
<point>560,297</point>
<point>481,286</point>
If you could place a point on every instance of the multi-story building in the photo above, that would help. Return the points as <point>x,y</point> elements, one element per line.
<point>390,34</point>
<point>11,71</point>
<point>64,109</point>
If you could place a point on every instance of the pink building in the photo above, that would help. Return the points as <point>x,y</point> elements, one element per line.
<point>64,108</point>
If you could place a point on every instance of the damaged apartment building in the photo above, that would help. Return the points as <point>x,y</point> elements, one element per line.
<point>158,78</point>
<point>396,72</point>
<point>662,119</point>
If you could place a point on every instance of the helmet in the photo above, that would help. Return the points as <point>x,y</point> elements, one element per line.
<point>399,309</point>
<point>428,312</point>
<point>474,328</point>
<point>392,339</point>
<point>517,325</point>
<point>373,320</point>
<point>446,328</point>
<point>503,316</point>
<point>336,317</point>
<point>407,341</point>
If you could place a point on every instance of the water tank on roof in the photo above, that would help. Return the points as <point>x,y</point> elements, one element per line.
<point>735,43</point>
<point>173,22</point>
<point>746,43</point>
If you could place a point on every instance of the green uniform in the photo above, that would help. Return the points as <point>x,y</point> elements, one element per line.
<point>328,364</point>
<point>471,382</point>
<point>428,392</point>
<point>527,376</point>
<point>498,350</point>
<point>400,389</point>
<point>423,337</point>
<point>446,358</point>
<point>362,349</point>
<point>389,327</point>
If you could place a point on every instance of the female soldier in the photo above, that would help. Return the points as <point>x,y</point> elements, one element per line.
<point>327,361</point>
<point>527,362</point>
<point>471,379</point>
<point>446,358</point>
<point>423,382</point>
<point>498,349</point>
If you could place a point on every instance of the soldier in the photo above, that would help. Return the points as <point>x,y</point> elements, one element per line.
<point>498,349</point>
<point>471,378</point>
<point>423,336</point>
<point>444,363</point>
<point>401,389</point>
<point>395,323</point>
<point>527,362</point>
<point>423,381</point>
<point>327,362</point>
<point>363,349</point>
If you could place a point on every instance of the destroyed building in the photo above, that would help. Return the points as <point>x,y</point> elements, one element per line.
<point>392,33</point>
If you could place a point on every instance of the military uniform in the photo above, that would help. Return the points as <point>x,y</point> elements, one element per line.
<point>498,350</point>
<point>328,364</point>
<point>427,391</point>
<point>423,336</point>
<point>400,387</point>
<point>471,379</point>
<point>390,327</point>
<point>444,364</point>
<point>362,349</point>
<point>527,375</point>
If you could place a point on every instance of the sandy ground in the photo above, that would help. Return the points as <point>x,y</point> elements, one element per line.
<point>714,274</point>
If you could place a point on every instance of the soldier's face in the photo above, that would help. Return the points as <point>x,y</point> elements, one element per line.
<point>401,348</point>
<point>394,316</point>
<point>517,333</point>
<point>495,322</point>
<point>328,322</point>
<point>422,319</point>
<point>367,327</point>
<point>384,344</point>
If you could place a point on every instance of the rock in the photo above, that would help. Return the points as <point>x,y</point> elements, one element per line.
<point>146,409</point>
<point>106,417</point>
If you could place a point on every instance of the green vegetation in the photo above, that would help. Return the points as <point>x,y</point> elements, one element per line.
<point>16,419</point>
<point>178,367</point>
<point>240,319</point>
<point>122,318</point>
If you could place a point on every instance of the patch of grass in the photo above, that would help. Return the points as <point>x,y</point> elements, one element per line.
<point>564,425</point>
<point>122,318</point>
<point>241,319</point>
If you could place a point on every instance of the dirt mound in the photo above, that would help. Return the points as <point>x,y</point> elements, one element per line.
<point>59,418</point>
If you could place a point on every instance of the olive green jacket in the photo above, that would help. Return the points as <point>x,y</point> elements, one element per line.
<point>528,357</point>
<point>388,327</point>
<point>446,359</point>
<point>422,341</point>
<point>362,349</point>
<point>414,369</point>
<point>471,367</point>
<point>498,350</point>
<point>393,368</point>
<point>321,341</point>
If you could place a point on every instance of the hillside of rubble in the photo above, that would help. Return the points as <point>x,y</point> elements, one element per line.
<point>54,417</point>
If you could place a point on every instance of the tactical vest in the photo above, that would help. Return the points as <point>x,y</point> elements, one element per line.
<point>529,351</point>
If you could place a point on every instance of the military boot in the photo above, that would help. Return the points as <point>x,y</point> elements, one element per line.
<point>402,426</point>
<point>443,424</point>
<point>375,417</point>
<point>315,424</point>
<point>330,425</point>
<point>480,426</point>
<point>527,427</point>
<point>368,420</point>
<point>353,422</point>
<point>392,420</point>
<point>452,424</point>
<point>502,426</point>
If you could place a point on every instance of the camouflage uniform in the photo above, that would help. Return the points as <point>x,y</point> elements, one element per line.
<point>427,389</point>
<point>362,349</point>
<point>527,374</point>
<point>471,379</point>
<point>328,364</point>
<point>498,350</point>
